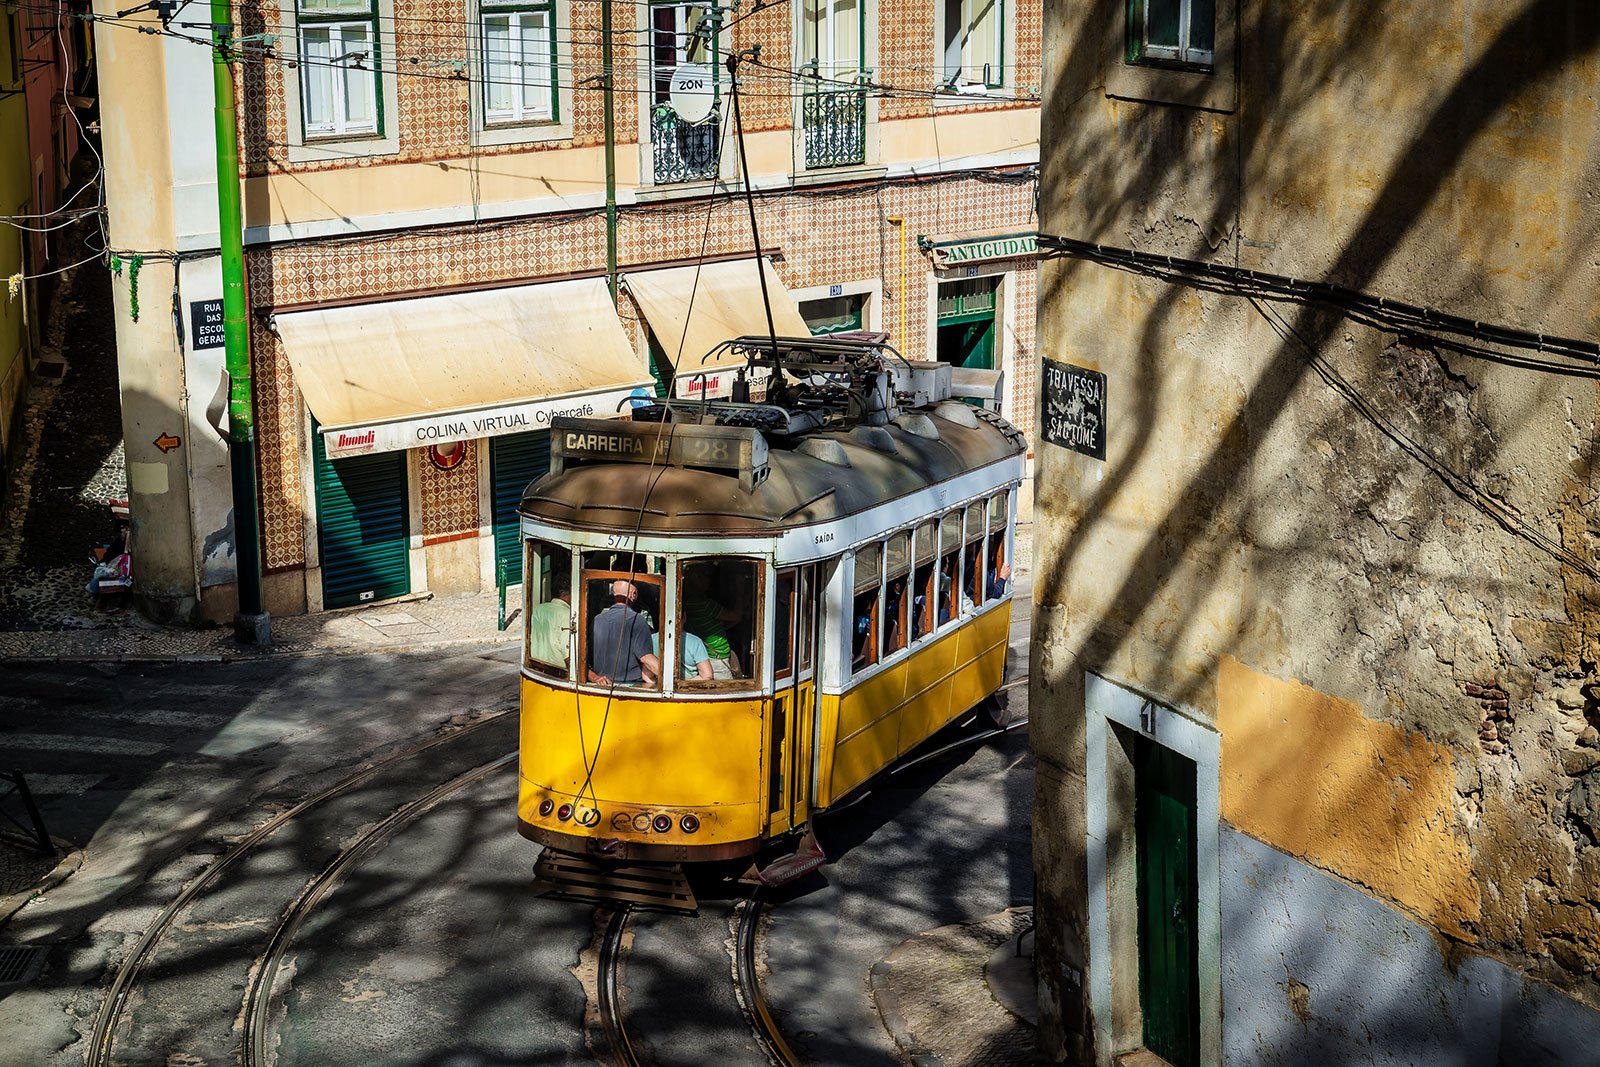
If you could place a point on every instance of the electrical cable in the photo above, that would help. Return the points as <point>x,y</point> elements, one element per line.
<point>1502,513</point>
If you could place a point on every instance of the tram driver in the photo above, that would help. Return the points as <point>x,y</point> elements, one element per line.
<point>619,642</point>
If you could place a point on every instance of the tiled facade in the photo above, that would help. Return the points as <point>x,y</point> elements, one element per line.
<point>825,233</point>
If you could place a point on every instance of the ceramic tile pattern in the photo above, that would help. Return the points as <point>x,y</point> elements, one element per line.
<point>825,236</point>
<point>449,498</point>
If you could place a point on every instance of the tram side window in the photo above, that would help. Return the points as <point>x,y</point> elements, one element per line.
<point>922,602</point>
<point>718,608</point>
<point>998,575</point>
<point>547,609</point>
<point>972,568</point>
<point>896,602</point>
<point>622,598</point>
<point>949,567</point>
<point>783,622</point>
<point>864,633</point>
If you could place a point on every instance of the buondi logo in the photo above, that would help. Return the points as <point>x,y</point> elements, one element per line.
<point>356,442</point>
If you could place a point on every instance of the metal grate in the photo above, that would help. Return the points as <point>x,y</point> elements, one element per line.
<point>20,963</point>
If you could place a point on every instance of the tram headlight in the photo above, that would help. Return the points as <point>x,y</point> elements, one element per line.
<point>662,823</point>
<point>564,812</point>
<point>689,823</point>
<point>546,806</point>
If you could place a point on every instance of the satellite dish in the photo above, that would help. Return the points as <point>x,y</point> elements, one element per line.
<point>693,88</point>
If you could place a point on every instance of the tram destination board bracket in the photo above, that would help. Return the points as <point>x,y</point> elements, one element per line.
<point>738,449</point>
<point>1074,415</point>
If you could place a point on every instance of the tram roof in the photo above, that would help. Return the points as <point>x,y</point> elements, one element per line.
<point>800,489</point>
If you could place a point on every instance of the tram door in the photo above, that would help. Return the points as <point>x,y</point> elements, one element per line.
<point>794,698</point>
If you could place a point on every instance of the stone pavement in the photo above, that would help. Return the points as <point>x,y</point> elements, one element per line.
<point>963,995</point>
<point>406,625</point>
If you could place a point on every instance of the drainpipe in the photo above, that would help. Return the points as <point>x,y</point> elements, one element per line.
<point>250,625</point>
<point>896,220</point>
<point>611,149</point>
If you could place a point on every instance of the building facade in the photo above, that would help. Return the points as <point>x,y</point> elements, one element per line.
<point>1314,699</point>
<point>426,243</point>
<point>45,68</point>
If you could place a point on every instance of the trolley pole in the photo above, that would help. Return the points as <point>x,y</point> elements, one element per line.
<point>611,148</point>
<point>251,624</point>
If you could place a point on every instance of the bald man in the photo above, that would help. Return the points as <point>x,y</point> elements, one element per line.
<point>620,652</point>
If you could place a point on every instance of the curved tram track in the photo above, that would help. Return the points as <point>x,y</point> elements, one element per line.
<point>116,1004</point>
<point>752,999</point>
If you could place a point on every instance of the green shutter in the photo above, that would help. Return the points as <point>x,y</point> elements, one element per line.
<point>361,526</point>
<point>515,462</point>
<point>1169,991</point>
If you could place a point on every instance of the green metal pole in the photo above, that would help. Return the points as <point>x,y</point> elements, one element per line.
<point>250,624</point>
<point>611,148</point>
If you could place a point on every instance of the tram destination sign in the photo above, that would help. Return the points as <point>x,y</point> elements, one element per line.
<point>731,448</point>
<point>1074,415</point>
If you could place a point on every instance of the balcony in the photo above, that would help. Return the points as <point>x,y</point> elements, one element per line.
<point>833,122</point>
<point>683,152</point>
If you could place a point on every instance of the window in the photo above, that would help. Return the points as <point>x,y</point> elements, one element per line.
<point>783,623</point>
<point>339,63</point>
<point>622,601</point>
<point>14,45</point>
<point>547,609</point>
<point>972,560</point>
<point>897,571</point>
<point>680,35</point>
<point>998,578</point>
<point>1172,31</point>
<point>832,39</point>
<point>974,44</point>
<point>949,568</point>
<point>519,62</point>
<point>922,581</point>
<point>865,630</point>
<point>718,609</point>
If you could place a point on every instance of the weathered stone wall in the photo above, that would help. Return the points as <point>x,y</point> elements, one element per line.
<point>1364,558</point>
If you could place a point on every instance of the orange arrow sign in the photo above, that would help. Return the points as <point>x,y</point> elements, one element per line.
<point>166,442</point>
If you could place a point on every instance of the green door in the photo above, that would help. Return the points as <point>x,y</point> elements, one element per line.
<point>515,462</point>
<point>1169,991</point>
<point>361,526</point>
<point>965,323</point>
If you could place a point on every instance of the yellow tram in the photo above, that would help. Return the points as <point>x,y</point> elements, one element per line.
<point>738,613</point>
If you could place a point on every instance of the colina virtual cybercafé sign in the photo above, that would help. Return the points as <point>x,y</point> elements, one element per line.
<point>956,251</point>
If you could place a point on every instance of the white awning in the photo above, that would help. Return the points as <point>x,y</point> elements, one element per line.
<point>726,303</point>
<point>408,373</point>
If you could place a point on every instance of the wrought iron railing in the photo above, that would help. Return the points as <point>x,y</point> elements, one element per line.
<point>834,123</point>
<point>683,152</point>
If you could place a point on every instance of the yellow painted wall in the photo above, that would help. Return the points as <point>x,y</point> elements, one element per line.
<point>1309,774</point>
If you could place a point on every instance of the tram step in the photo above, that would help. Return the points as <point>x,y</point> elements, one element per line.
<point>574,877</point>
<point>807,858</point>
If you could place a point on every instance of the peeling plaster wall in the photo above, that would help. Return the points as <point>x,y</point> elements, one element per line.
<point>1365,558</point>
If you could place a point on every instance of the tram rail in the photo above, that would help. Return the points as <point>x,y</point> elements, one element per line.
<point>259,992</point>
<point>747,987</point>
<point>102,1036</point>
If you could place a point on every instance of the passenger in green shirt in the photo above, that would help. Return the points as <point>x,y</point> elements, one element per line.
<point>703,615</point>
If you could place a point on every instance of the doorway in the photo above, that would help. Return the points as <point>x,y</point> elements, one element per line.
<point>965,323</point>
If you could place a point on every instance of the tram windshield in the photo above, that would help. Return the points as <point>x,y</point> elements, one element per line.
<point>547,592</point>
<point>717,616</point>
<point>622,598</point>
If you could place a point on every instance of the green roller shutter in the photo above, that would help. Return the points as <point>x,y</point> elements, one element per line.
<point>361,526</point>
<point>515,461</point>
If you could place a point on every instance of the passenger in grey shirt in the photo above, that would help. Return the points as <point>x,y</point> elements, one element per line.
<point>620,652</point>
